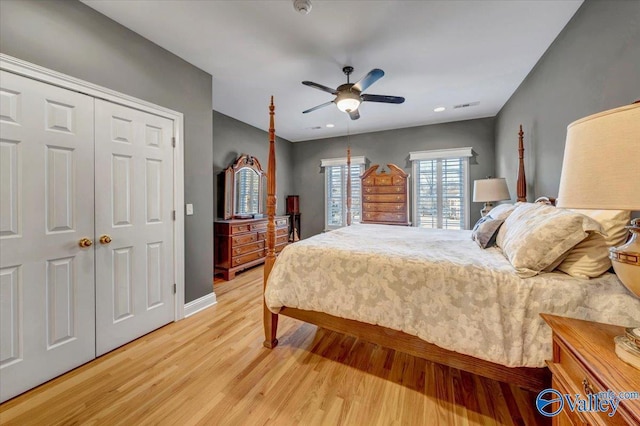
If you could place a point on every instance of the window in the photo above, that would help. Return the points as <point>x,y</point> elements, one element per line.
<point>335,173</point>
<point>441,188</point>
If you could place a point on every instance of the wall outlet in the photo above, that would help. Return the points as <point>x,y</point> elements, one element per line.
<point>189,209</point>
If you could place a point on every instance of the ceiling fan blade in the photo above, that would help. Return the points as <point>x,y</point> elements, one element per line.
<point>383,98</point>
<point>320,87</point>
<point>318,107</point>
<point>354,114</point>
<point>366,81</point>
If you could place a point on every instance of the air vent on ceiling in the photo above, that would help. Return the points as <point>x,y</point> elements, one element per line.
<point>467,105</point>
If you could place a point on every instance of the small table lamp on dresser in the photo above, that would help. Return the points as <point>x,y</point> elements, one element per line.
<point>489,190</point>
<point>600,171</point>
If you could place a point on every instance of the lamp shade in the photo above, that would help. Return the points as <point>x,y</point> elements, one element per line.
<point>488,190</point>
<point>600,169</point>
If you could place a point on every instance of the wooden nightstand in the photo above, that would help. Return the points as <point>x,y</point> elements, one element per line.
<point>584,362</point>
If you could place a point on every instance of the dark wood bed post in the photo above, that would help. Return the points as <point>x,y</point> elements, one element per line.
<point>522,180</point>
<point>270,320</point>
<point>348,186</point>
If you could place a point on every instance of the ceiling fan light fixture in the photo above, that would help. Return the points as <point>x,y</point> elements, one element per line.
<point>348,105</point>
<point>348,101</point>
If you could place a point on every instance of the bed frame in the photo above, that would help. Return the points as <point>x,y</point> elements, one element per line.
<point>535,379</point>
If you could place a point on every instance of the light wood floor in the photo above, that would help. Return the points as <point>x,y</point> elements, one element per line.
<point>211,369</point>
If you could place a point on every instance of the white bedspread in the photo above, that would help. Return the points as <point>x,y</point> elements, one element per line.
<point>440,286</point>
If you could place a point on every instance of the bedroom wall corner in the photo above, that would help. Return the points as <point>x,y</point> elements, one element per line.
<point>593,65</point>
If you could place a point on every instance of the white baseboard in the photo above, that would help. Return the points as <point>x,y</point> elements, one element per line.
<point>199,304</point>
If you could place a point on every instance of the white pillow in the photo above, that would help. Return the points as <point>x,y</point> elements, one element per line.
<point>590,258</point>
<point>537,235</point>
<point>613,224</point>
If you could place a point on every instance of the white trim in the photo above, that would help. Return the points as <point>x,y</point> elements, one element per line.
<point>200,304</point>
<point>343,161</point>
<point>441,153</point>
<point>36,72</point>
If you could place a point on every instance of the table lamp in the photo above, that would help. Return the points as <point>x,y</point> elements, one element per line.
<point>601,171</point>
<point>489,190</point>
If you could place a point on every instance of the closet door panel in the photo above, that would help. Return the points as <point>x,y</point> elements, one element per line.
<point>134,187</point>
<point>47,312</point>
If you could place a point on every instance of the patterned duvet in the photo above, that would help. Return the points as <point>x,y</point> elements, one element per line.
<point>440,286</point>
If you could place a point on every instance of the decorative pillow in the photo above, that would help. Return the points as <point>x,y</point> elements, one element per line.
<point>485,231</point>
<point>502,211</point>
<point>590,258</point>
<point>537,235</point>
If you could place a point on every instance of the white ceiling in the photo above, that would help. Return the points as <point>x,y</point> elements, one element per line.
<point>434,53</point>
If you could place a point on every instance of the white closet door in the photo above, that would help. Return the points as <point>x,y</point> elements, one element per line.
<point>47,312</point>
<point>134,198</point>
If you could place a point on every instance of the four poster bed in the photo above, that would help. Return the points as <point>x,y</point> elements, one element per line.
<point>433,294</point>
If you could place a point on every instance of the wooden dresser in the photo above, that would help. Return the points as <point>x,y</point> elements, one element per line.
<point>385,196</point>
<point>585,363</point>
<point>240,243</point>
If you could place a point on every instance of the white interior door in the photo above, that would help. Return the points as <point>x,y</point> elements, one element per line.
<point>47,312</point>
<point>134,199</point>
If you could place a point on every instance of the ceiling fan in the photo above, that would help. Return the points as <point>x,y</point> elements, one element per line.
<point>349,96</point>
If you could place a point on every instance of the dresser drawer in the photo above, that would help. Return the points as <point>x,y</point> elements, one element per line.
<point>399,180</point>
<point>383,180</point>
<point>244,239</point>
<point>385,198</point>
<point>392,189</point>
<point>240,260</point>
<point>384,217</point>
<point>238,229</point>
<point>384,207</point>
<point>259,226</point>
<point>572,378</point>
<point>282,222</point>
<point>247,248</point>
<point>279,232</point>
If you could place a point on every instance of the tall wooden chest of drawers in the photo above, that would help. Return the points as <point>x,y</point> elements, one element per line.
<point>385,196</point>
<point>241,243</point>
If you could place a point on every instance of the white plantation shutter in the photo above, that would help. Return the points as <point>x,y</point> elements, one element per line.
<point>336,191</point>
<point>441,193</point>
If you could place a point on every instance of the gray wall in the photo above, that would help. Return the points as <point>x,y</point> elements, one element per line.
<point>71,38</point>
<point>392,146</point>
<point>593,65</point>
<point>232,138</point>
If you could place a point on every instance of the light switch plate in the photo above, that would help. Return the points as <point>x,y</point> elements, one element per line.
<point>189,209</point>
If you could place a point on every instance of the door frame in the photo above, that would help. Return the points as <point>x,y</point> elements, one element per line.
<point>36,72</point>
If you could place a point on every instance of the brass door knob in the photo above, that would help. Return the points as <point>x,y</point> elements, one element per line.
<point>105,239</point>
<point>85,242</point>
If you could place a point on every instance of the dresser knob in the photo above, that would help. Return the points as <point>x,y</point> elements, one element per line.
<point>588,390</point>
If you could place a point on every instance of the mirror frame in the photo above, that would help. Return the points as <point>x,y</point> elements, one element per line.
<point>244,161</point>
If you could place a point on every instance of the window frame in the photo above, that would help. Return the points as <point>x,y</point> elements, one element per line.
<point>438,155</point>
<point>360,162</point>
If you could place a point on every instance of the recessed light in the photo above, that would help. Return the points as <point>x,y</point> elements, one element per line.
<point>331,125</point>
<point>439,109</point>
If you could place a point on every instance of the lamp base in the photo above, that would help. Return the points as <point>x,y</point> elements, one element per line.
<point>627,351</point>
<point>486,209</point>
<point>626,259</point>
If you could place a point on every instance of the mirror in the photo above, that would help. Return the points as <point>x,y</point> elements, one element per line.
<point>244,189</point>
